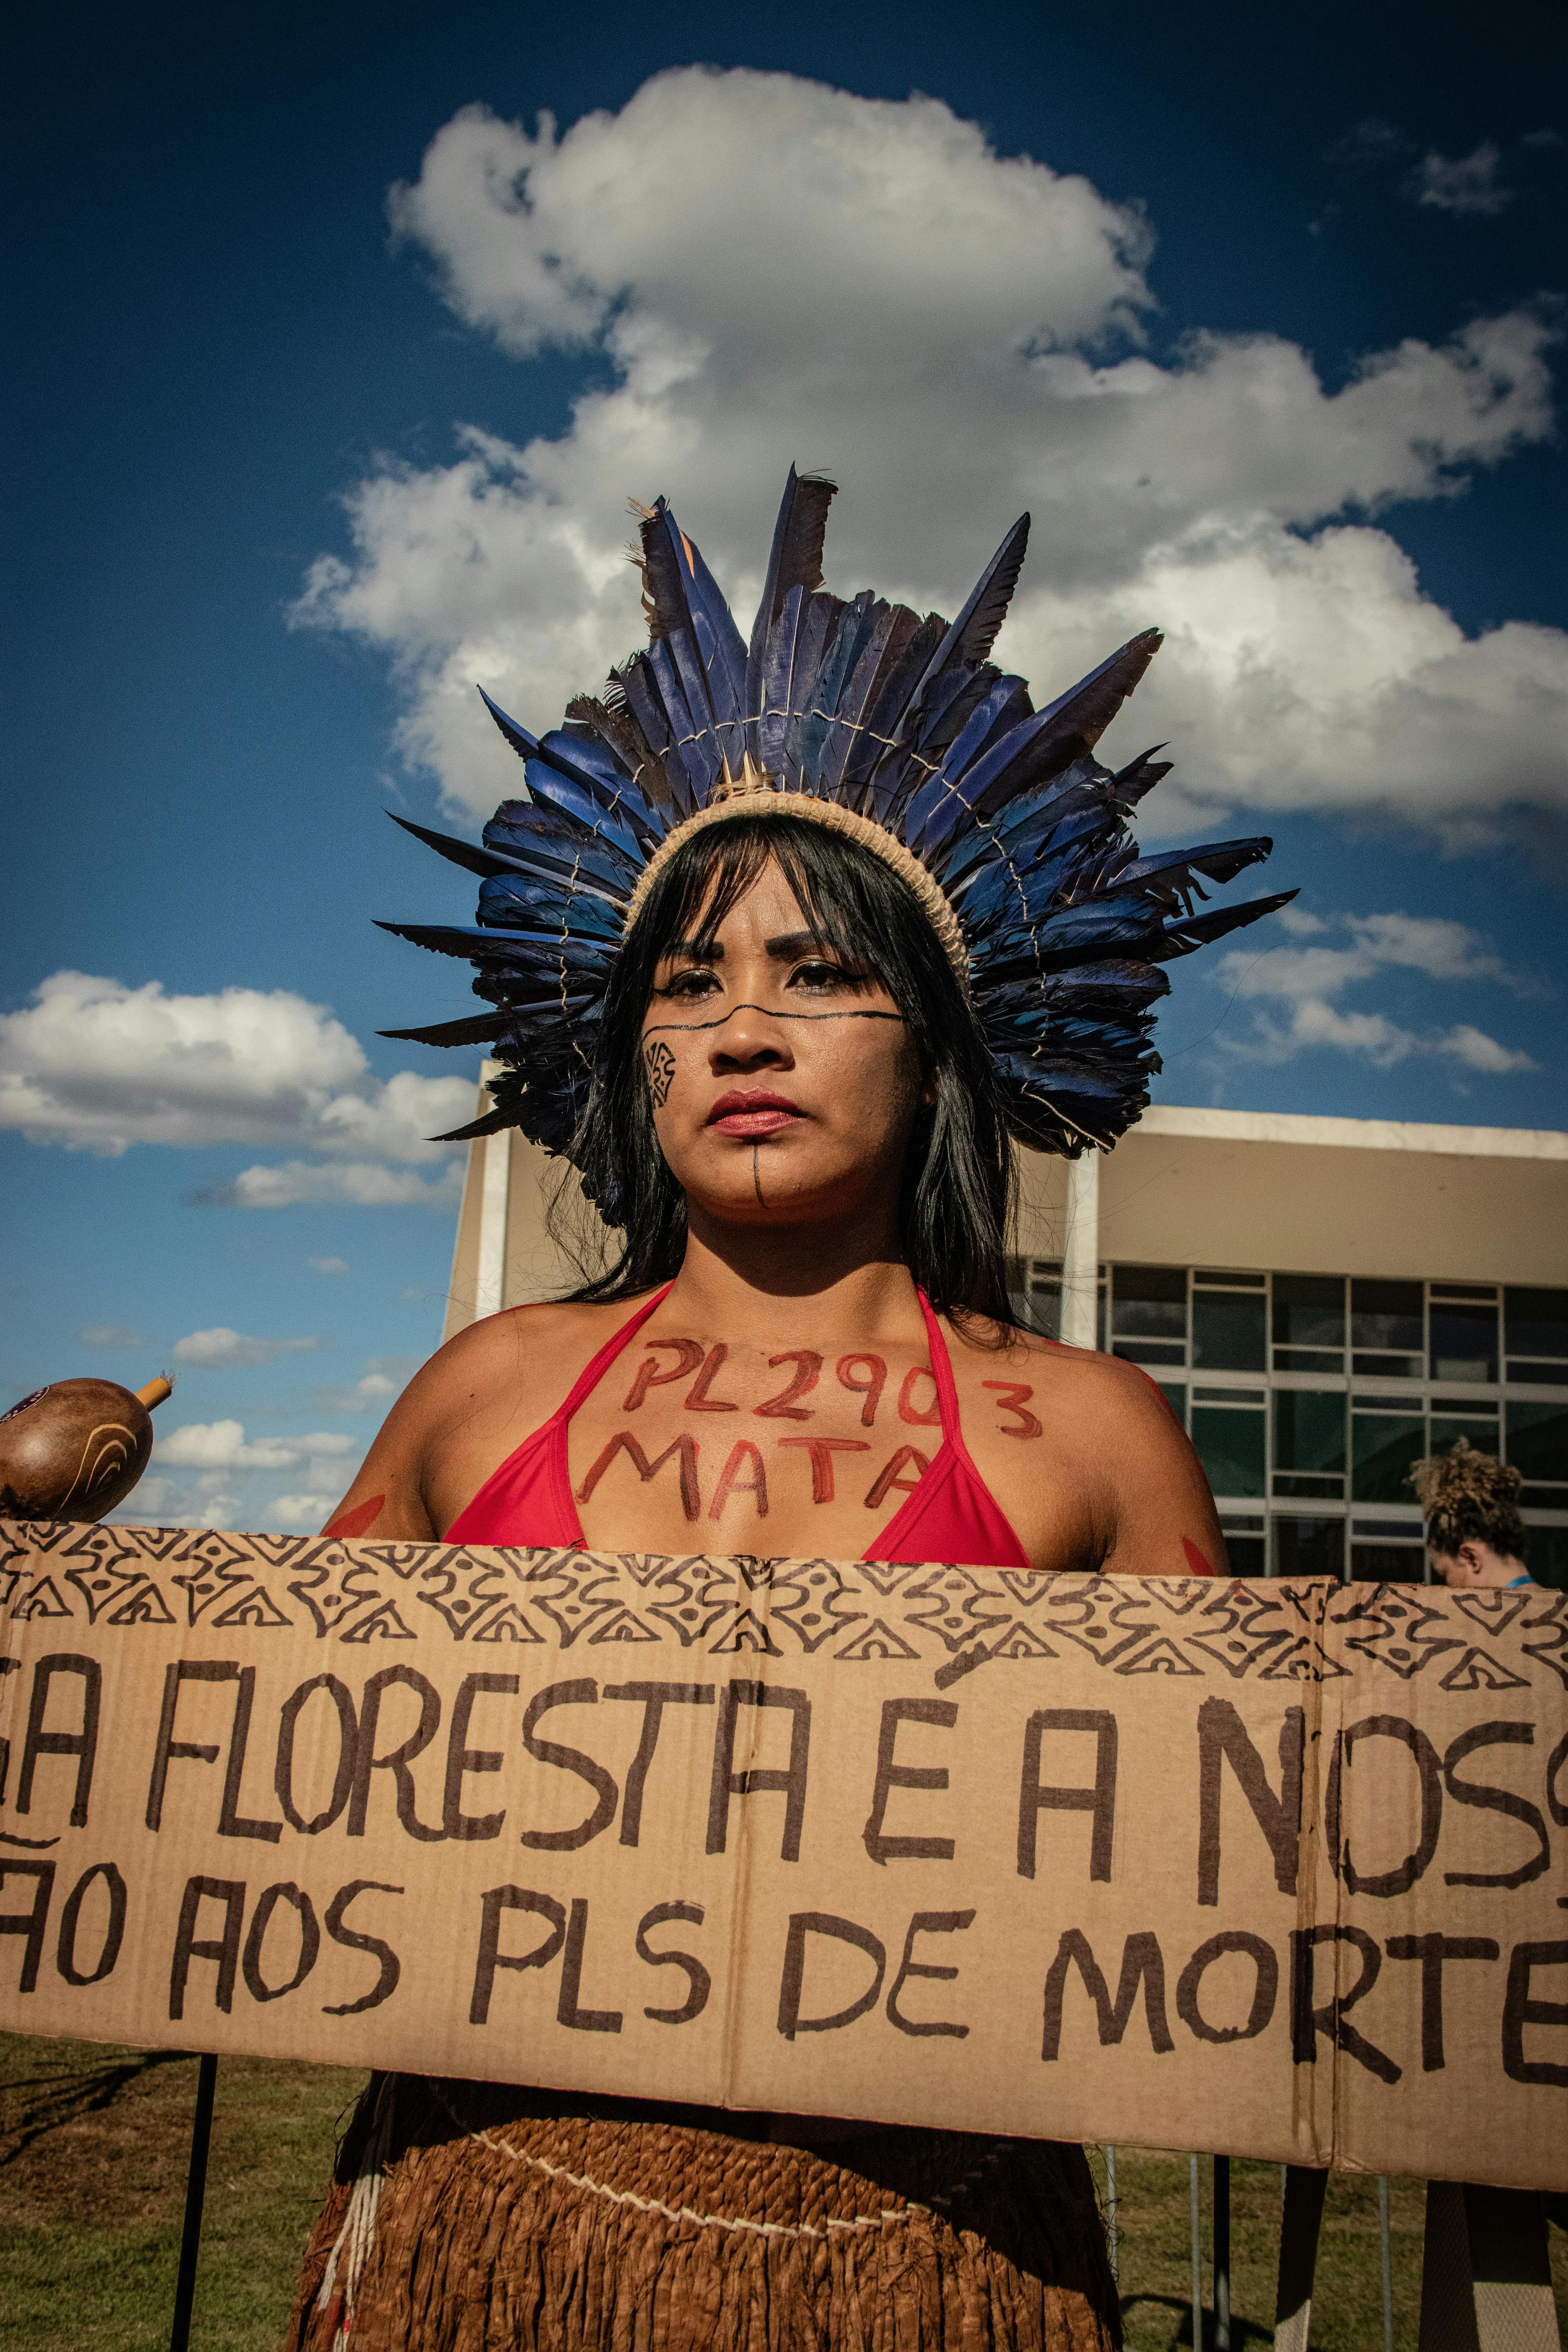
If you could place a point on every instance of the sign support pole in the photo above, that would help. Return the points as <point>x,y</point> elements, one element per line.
<point>1222,2253</point>
<point>196,2192</point>
<point>1197,2256</point>
<point>1301,2222</point>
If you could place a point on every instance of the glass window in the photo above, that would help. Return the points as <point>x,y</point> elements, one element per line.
<point>1387,1563</point>
<point>1546,1556</point>
<point>1479,1429</point>
<point>1227,1332</point>
<point>1463,1337</point>
<point>1175,1396</point>
<point>1309,1441</point>
<point>1309,1547</point>
<point>1230,1445</point>
<point>1383,1446</point>
<point>1537,1445</point>
<point>1247,1555</point>
<point>1151,1302</point>
<point>1035,1294</point>
<point>1229,1281</point>
<point>1149,1314</point>
<point>1536,1324</point>
<point>1308,1321</point>
<point>1386,1330</point>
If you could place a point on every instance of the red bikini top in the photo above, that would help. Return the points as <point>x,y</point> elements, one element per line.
<point>951,1516</point>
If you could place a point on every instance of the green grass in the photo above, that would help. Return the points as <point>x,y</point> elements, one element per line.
<point>93,2147</point>
<point>1155,2255</point>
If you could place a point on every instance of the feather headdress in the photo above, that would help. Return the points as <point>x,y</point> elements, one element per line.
<point>897,728</point>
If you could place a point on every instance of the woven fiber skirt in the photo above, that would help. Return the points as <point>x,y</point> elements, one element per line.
<point>471,2217</point>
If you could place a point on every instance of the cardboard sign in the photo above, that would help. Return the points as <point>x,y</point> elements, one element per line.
<point>1275,1869</point>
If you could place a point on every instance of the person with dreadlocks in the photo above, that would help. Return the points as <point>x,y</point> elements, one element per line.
<point>791,944</point>
<point>1470,1502</point>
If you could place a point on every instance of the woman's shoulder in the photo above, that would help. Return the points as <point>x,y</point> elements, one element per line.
<point>528,1354</point>
<point>528,1341</point>
<point>987,1351</point>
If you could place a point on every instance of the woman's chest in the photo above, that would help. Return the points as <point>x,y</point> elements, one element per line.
<point>797,1451</point>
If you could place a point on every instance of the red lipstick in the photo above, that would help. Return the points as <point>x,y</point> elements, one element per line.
<point>752,1113</point>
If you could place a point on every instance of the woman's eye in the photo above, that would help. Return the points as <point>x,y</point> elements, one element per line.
<point>690,984</point>
<point>819,975</point>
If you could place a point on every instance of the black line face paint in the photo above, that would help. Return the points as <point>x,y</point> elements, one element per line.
<point>660,1062</point>
<point>681,1027</point>
<point>756,1174</point>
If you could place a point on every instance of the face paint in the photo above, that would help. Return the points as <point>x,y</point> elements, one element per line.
<point>358,1521</point>
<point>650,1377</point>
<point>888,1478</point>
<point>697,1397</point>
<point>782,1407</point>
<point>744,1455</point>
<point>660,1064</point>
<point>822,1451</point>
<point>1015,1398</point>
<point>685,1450</point>
<point>870,1388</point>
<point>687,1028</point>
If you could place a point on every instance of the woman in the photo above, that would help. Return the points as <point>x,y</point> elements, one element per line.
<point>1470,1502</point>
<point>789,942</point>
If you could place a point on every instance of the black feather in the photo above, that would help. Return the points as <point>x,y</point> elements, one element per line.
<point>476,1029</point>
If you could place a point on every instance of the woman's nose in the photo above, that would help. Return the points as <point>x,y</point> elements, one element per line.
<point>750,1039</point>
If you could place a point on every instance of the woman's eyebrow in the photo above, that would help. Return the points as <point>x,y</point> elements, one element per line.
<point>698,950</point>
<point>793,943</point>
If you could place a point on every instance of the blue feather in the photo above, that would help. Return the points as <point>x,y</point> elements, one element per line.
<point>794,562</point>
<point>819,616</point>
<point>1200,931</point>
<point>640,683</point>
<point>506,900</point>
<point>969,638</point>
<point>574,799</point>
<point>822,726</point>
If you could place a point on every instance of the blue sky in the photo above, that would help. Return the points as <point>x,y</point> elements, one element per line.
<point>1260,319</point>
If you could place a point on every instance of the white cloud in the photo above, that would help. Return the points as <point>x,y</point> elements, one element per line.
<point>1478,1051</point>
<point>223,1445</point>
<point>1372,141</point>
<point>328,1265</point>
<point>110,1335</point>
<point>968,352</point>
<point>359,1183</point>
<point>153,1496</point>
<point>1440,948</point>
<point>1462,183</point>
<point>98,1066</point>
<point>1307,980</point>
<point>1311,674</point>
<point>384,1379</point>
<point>222,1349</point>
<point>291,1512</point>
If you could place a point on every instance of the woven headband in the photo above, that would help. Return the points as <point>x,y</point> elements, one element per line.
<point>750,794</point>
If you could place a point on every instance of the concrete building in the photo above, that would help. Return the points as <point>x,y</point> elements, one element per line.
<point>1323,1301</point>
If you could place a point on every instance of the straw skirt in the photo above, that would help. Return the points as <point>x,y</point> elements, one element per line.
<point>471,2217</point>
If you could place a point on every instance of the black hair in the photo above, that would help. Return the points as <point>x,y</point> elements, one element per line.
<point>956,1195</point>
